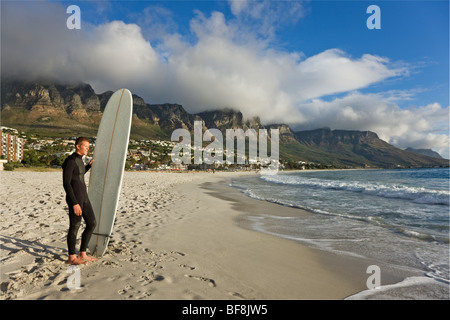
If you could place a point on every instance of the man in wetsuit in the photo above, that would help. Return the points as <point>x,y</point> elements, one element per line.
<point>78,201</point>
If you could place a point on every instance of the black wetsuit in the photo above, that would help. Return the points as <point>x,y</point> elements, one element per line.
<point>76,193</point>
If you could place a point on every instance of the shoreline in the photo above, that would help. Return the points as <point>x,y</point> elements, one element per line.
<point>349,272</point>
<point>175,237</point>
<point>398,281</point>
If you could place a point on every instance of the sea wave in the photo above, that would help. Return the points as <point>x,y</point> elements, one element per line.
<point>375,220</point>
<point>415,288</point>
<point>415,194</point>
<point>374,213</point>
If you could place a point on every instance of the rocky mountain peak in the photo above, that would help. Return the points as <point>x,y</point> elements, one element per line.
<point>74,109</point>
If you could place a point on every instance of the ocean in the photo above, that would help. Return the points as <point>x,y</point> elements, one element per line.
<point>399,217</point>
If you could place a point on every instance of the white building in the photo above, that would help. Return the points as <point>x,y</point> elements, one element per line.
<point>11,146</point>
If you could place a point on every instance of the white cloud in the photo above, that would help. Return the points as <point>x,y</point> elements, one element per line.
<point>259,80</point>
<point>264,17</point>
<point>37,44</point>
<point>332,72</point>
<point>116,54</point>
<point>419,127</point>
<point>237,6</point>
<point>226,66</point>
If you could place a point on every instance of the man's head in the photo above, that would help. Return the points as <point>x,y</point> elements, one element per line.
<point>82,146</point>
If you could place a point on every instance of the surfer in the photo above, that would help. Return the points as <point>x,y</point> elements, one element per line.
<point>78,201</point>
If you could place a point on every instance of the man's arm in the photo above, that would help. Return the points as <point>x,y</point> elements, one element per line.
<point>88,166</point>
<point>67,178</point>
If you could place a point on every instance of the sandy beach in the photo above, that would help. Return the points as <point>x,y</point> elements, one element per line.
<point>177,236</point>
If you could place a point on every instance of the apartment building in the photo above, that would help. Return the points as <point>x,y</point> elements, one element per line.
<point>11,145</point>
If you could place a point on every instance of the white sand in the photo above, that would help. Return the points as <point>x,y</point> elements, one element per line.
<point>173,239</point>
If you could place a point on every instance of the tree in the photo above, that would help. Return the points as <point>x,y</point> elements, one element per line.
<point>31,158</point>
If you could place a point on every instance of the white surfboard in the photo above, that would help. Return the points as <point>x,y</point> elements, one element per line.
<point>109,163</point>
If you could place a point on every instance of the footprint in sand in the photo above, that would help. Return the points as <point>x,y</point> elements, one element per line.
<point>237,295</point>
<point>157,277</point>
<point>125,290</point>
<point>186,266</point>
<point>210,282</point>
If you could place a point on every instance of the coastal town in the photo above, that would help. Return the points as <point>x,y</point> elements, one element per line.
<point>20,149</point>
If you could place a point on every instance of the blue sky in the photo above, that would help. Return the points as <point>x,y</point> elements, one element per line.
<point>306,63</point>
<point>411,33</point>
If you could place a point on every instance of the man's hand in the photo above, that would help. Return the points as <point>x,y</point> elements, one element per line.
<point>91,162</point>
<point>77,210</point>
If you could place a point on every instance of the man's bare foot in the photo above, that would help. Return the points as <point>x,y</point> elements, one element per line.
<point>74,260</point>
<point>85,257</point>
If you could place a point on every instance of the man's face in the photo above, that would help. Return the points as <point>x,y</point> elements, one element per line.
<point>83,148</point>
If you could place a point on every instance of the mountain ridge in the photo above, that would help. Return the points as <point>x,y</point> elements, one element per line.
<point>75,109</point>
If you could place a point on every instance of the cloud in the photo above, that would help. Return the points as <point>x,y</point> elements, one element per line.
<point>238,6</point>
<point>115,54</point>
<point>31,35</point>
<point>332,71</point>
<point>259,80</point>
<point>265,17</point>
<point>156,22</point>
<point>417,127</point>
<point>37,44</point>
<point>226,66</point>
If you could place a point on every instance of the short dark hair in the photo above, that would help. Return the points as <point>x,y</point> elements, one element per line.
<point>80,140</point>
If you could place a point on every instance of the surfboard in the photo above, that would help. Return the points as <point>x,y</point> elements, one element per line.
<point>106,175</point>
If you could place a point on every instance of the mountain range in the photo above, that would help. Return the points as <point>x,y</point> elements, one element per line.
<point>47,108</point>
